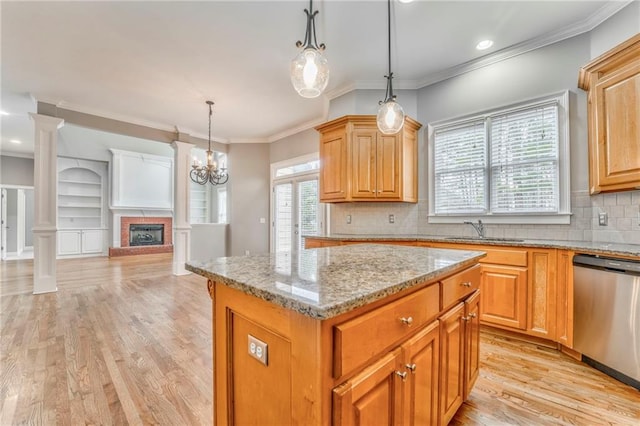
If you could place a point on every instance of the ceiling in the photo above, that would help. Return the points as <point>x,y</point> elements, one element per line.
<point>155,63</point>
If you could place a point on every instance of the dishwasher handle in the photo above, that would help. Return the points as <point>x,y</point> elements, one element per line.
<point>624,266</point>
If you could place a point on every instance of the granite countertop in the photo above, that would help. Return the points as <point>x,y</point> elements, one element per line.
<point>323,283</point>
<point>591,247</point>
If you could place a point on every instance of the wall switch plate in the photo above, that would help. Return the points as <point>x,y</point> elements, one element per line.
<point>263,220</point>
<point>258,349</point>
<point>602,218</point>
<point>392,218</point>
<point>247,252</point>
<point>348,219</point>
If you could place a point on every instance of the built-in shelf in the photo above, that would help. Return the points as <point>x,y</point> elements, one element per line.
<point>81,207</point>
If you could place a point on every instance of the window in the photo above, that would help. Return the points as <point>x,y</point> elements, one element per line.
<point>508,165</point>
<point>222,205</point>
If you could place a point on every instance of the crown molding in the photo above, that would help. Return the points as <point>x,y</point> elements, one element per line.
<point>105,114</point>
<point>606,11</point>
<point>5,153</point>
<point>306,125</point>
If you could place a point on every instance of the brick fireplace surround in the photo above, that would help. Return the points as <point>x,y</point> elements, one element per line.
<point>126,250</point>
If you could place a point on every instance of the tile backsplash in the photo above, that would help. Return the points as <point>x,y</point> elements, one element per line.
<point>622,210</point>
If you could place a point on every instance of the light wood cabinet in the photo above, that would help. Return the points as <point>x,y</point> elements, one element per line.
<point>613,84</point>
<point>358,163</point>
<point>383,363</point>
<point>504,301</point>
<point>472,340</point>
<point>564,300</point>
<point>452,358</point>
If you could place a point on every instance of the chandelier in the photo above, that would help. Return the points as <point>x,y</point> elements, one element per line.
<point>210,172</point>
<point>390,116</point>
<point>309,69</point>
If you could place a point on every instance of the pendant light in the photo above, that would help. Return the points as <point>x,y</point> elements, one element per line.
<point>310,69</point>
<point>210,172</point>
<point>390,117</point>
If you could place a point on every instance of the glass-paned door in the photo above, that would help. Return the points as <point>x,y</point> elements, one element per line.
<point>296,212</point>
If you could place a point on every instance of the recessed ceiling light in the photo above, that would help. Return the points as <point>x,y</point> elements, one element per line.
<point>484,44</point>
<point>405,1</point>
<point>4,113</point>
<point>16,141</point>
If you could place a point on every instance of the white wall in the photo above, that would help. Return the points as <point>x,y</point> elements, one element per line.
<point>249,198</point>
<point>620,27</point>
<point>305,142</point>
<point>366,102</point>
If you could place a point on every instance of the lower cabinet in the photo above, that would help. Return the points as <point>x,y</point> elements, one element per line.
<point>80,241</point>
<point>452,369</point>
<point>472,339</point>
<point>504,296</point>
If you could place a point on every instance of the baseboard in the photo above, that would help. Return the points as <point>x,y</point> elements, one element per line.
<point>571,352</point>
<point>519,336</point>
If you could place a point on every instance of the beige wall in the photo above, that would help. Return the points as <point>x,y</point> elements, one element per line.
<point>305,142</point>
<point>16,171</point>
<point>249,198</point>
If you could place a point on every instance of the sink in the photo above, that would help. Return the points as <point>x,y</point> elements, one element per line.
<point>513,240</point>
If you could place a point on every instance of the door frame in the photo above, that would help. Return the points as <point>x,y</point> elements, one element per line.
<point>293,178</point>
<point>20,221</point>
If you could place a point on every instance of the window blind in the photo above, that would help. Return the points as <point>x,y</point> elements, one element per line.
<point>460,156</point>
<point>524,160</point>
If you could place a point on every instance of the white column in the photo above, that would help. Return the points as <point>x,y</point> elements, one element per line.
<point>45,185</point>
<point>181,214</point>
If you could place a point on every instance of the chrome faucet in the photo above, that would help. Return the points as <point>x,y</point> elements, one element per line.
<point>479,227</point>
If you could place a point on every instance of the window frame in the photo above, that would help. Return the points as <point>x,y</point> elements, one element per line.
<point>562,216</point>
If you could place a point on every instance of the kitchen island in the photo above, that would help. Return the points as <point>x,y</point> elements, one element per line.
<point>365,334</point>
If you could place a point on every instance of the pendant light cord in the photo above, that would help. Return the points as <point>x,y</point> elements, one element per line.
<point>389,32</point>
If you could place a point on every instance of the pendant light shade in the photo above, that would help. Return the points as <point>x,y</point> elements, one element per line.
<point>310,69</point>
<point>390,117</point>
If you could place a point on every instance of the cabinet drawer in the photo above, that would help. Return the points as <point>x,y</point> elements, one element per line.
<point>460,285</point>
<point>358,340</point>
<point>505,257</point>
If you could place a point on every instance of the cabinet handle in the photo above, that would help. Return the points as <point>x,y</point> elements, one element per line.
<point>407,320</point>
<point>466,284</point>
<point>472,315</point>
<point>466,318</point>
<point>411,367</point>
<point>402,375</point>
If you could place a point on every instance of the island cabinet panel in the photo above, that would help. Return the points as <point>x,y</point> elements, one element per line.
<point>421,362</point>
<point>504,296</point>
<point>372,397</point>
<point>256,379</point>
<point>459,286</point>
<point>613,84</point>
<point>362,338</point>
<point>452,357</point>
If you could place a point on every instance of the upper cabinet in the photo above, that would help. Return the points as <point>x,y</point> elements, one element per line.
<point>358,163</point>
<point>613,84</point>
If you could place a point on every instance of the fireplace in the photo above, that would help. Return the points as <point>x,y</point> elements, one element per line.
<point>146,234</point>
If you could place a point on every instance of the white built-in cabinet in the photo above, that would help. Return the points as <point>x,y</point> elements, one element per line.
<point>82,195</point>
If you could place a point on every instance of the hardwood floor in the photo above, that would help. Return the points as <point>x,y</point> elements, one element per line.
<point>125,342</point>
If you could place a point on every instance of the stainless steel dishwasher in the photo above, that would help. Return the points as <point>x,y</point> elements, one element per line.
<point>607,315</point>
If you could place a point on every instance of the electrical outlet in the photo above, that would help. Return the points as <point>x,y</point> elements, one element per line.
<point>258,349</point>
<point>348,219</point>
<point>602,219</point>
<point>392,218</point>
<point>247,252</point>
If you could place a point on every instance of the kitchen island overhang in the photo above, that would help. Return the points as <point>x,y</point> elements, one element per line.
<point>326,317</point>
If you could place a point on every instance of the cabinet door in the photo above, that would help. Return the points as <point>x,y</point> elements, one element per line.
<point>69,242</point>
<point>363,172</point>
<point>373,397</point>
<point>472,342</point>
<point>504,296</point>
<point>388,167</point>
<point>614,112</point>
<point>452,359</point>
<point>333,165</point>
<point>421,355</point>
<point>92,241</point>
